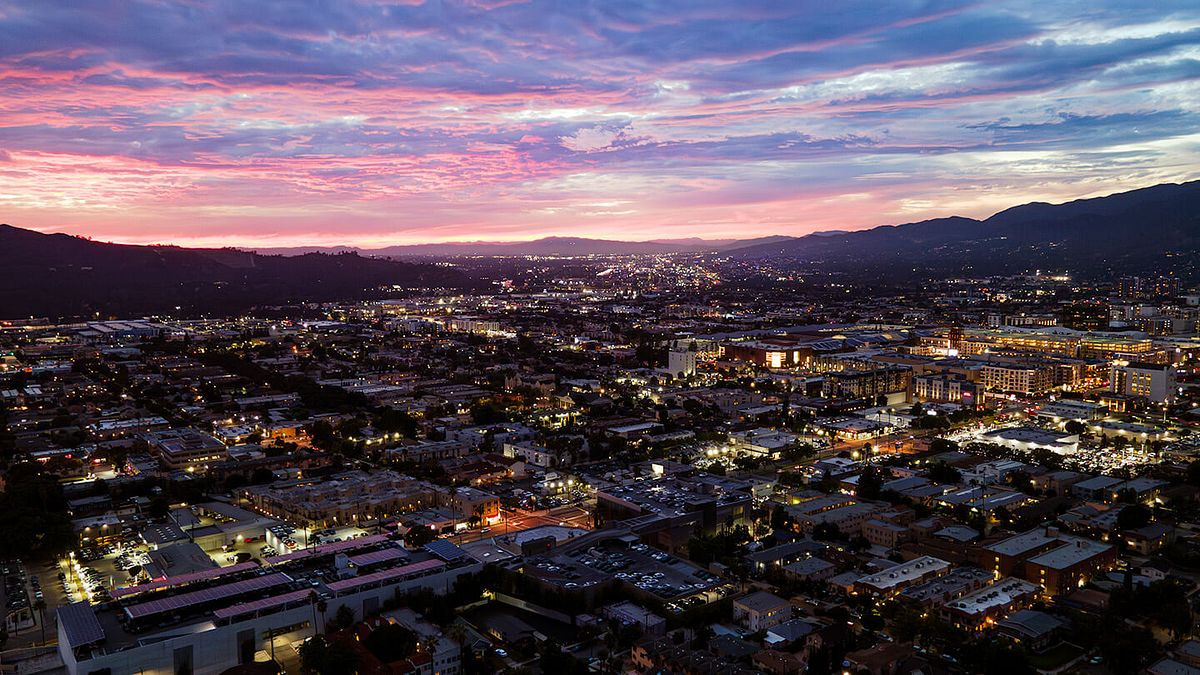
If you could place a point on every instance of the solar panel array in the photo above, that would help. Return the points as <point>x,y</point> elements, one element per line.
<point>80,624</point>
<point>186,600</point>
<point>445,549</point>
<point>332,547</point>
<point>259,605</point>
<point>385,575</point>
<point>183,579</point>
<point>376,557</point>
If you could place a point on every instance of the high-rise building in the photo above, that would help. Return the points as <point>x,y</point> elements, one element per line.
<point>1089,316</point>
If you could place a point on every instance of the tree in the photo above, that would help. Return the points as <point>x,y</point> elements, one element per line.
<point>35,518</point>
<point>1127,648</point>
<point>343,617</point>
<point>318,655</point>
<point>391,642</point>
<point>944,473</point>
<point>40,606</point>
<point>997,658</point>
<point>780,519</point>
<point>159,508</point>
<point>870,483</point>
<point>940,445</point>
<point>826,532</point>
<point>1133,516</point>
<point>419,536</point>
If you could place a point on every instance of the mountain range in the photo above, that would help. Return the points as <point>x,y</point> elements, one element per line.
<point>1154,229</point>
<point>61,275</point>
<point>546,246</point>
<point>1139,229</point>
<point>1150,230</point>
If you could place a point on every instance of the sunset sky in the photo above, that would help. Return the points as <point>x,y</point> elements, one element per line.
<point>255,122</point>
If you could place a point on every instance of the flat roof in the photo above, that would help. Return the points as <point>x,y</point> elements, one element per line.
<point>761,601</point>
<point>445,549</point>
<point>182,579</point>
<point>332,547</point>
<point>79,621</point>
<point>1031,622</point>
<point>385,575</point>
<point>259,605</point>
<point>375,557</point>
<point>999,594</point>
<point>1070,553</point>
<point>184,600</point>
<point>909,571</point>
<point>1021,543</point>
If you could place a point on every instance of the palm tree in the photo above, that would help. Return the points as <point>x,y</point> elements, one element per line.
<point>40,606</point>
<point>431,645</point>
<point>457,633</point>
<point>312,601</point>
<point>322,606</point>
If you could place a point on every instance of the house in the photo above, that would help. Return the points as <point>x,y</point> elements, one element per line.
<point>810,569</point>
<point>1031,628</point>
<point>779,663</point>
<point>1151,538</point>
<point>1169,666</point>
<point>883,533</point>
<point>761,610</point>
<point>789,633</point>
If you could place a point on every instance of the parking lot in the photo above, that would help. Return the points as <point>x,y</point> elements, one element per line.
<point>24,585</point>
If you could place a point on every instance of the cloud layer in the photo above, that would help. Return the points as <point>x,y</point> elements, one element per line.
<point>372,122</point>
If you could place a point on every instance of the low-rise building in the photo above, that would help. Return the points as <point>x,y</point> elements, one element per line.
<point>892,581</point>
<point>761,610</point>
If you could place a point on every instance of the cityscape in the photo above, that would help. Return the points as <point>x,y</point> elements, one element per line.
<point>603,337</point>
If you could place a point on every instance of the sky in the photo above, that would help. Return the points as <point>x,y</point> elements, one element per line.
<point>339,122</point>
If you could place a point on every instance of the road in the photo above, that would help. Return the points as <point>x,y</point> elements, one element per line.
<point>518,520</point>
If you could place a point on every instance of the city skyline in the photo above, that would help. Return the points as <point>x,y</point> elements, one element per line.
<point>373,124</point>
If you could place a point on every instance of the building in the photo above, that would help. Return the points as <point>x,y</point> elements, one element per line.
<point>208,625</point>
<point>1149,539</point>
<point>783,554</point>
<point>469,502</point>
<point>867,384</point>
<point>947,388</point>
<point>763,442</point>
<point>892,581</point>
<point>1031,628</point>
<point>629,614</point>
<point>941,590</point>
<point>185,448</point>
<point>341,499</point>
<point>668,510</point>
<point>981,609</point>
<point>842,512</point>
<point>1155,382</point>
<point>1016,378</point>
<point>1059,563</point>
<point>883,533</point>
<point>681,363</point>
<point>809,569</point>
<point>1064,410</point>
<point>761,610</point>
<point>769,353</point>
<point>1033,438</point>
<point>1085,316</point>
